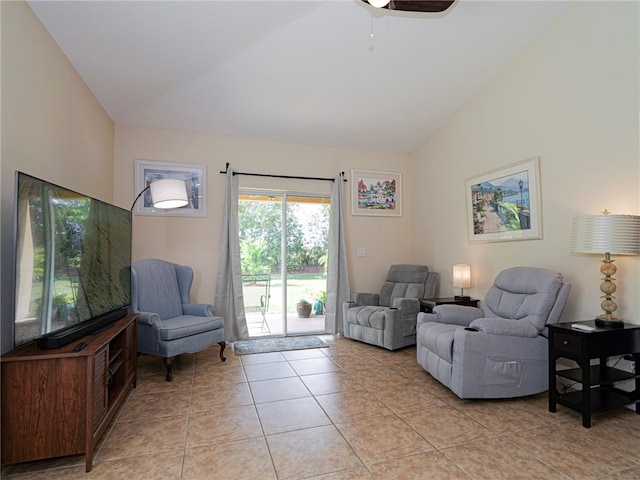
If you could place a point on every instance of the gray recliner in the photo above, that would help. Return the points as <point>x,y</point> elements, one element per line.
<point>501,349</point>
<point>388,319</point>
<point>168,324</point>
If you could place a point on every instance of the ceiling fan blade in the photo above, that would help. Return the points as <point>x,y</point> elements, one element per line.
<point>421,5</point>
<point>418,5</point>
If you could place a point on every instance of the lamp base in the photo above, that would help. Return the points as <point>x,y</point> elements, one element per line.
<point>609,321</point>
<point>462,298</point>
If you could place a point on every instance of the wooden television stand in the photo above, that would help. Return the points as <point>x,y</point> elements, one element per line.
<point>60,402</point>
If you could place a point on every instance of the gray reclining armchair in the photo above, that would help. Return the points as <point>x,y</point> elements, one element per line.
<point>168,325</point>
<point>501,350</point>
<point>388,319</point>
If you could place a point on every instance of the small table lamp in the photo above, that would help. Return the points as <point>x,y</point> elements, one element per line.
<point>166,193</point>
<point>607,233</point>
<point>462,280</point>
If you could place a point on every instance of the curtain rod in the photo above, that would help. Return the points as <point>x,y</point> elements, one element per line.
<point>224,172</point>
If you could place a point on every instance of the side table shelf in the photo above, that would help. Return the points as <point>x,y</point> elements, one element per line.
<point>600,399</point>
<point>598,382</point>
<point>598,375</point>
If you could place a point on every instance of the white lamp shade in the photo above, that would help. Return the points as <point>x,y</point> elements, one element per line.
<point>169,193</point>
<point>462,275</point>
<point>378,3</point>
<point>619,234</point>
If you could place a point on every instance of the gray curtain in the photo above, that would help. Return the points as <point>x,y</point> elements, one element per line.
<point>337,275</point>
<point>229,302</point>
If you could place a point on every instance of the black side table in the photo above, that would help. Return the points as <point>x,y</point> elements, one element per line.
<point>427,304</point>
<point>599,391</point>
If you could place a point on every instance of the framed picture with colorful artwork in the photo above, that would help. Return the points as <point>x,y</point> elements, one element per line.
<point>505,204</point>
<point>376,193</point>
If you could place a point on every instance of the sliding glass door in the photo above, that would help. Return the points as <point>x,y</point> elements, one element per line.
<point>284,249</point>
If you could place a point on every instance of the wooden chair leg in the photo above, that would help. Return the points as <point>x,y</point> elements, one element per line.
<point>168,362</point>
<point>222,346</point>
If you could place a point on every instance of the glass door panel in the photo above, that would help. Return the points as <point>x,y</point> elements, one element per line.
<point>307,240</point>
<point>260,228</point>
<point>274,226</point>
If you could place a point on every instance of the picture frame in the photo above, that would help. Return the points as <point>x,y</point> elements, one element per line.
<point>376,193</point>
<point>194,176</point>
<point>505,204</point>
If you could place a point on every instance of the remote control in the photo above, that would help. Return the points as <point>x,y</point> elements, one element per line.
<point>585,328</point>
<point>79,346</point>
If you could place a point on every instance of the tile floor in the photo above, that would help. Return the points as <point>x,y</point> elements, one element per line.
<point>346,412</point>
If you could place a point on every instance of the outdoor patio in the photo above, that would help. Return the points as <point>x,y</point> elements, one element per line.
<point>295,325</point>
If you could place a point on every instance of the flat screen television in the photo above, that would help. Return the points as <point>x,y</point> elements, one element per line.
<point>72,263</point>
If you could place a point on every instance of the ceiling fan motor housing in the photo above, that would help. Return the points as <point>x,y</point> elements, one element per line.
<point>432,6</point>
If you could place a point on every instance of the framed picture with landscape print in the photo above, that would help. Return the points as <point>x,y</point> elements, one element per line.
<point>194,177</point>
<point>376,193</point>
<point>504,204</point>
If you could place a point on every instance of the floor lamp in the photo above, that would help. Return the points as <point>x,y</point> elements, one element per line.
<point>166,193</point>
<point>607,234</point>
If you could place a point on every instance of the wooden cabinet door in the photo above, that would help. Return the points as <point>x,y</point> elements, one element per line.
<point>100,398</point>
<point>42,405</point>
<point>131,350</point>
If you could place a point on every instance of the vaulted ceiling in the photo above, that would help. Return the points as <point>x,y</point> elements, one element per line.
<point>333,73</point>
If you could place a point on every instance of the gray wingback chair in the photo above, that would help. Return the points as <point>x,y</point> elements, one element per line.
<point>388,319</point>
<point>501,349</point>
<point>168,325</point>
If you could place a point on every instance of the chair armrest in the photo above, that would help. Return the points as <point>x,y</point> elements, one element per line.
<point>409,306</point>
<point>149,318</point>
<point>347,305</point>
<point>149,325</point>
<point>457,314</point>
<point>394,327</point>
<point>425,317</point>
<point>198,309</point>
<point>365,299</point>
<point>505,326</point>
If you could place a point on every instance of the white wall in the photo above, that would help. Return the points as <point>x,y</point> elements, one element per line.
<point>196,242</point>
<point>52,128</point>
<point>572,98</point>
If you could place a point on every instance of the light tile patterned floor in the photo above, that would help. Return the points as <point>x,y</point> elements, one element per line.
<point>347,412</point>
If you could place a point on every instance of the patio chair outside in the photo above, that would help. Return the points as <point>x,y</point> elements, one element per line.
<point>256,291</point>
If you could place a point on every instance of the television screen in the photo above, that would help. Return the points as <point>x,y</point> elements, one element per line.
<point>72,263</point>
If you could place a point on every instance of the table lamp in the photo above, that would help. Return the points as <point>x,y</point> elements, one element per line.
<point>607,234</point>
<point>166,193</point>
<point>462,280</point>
